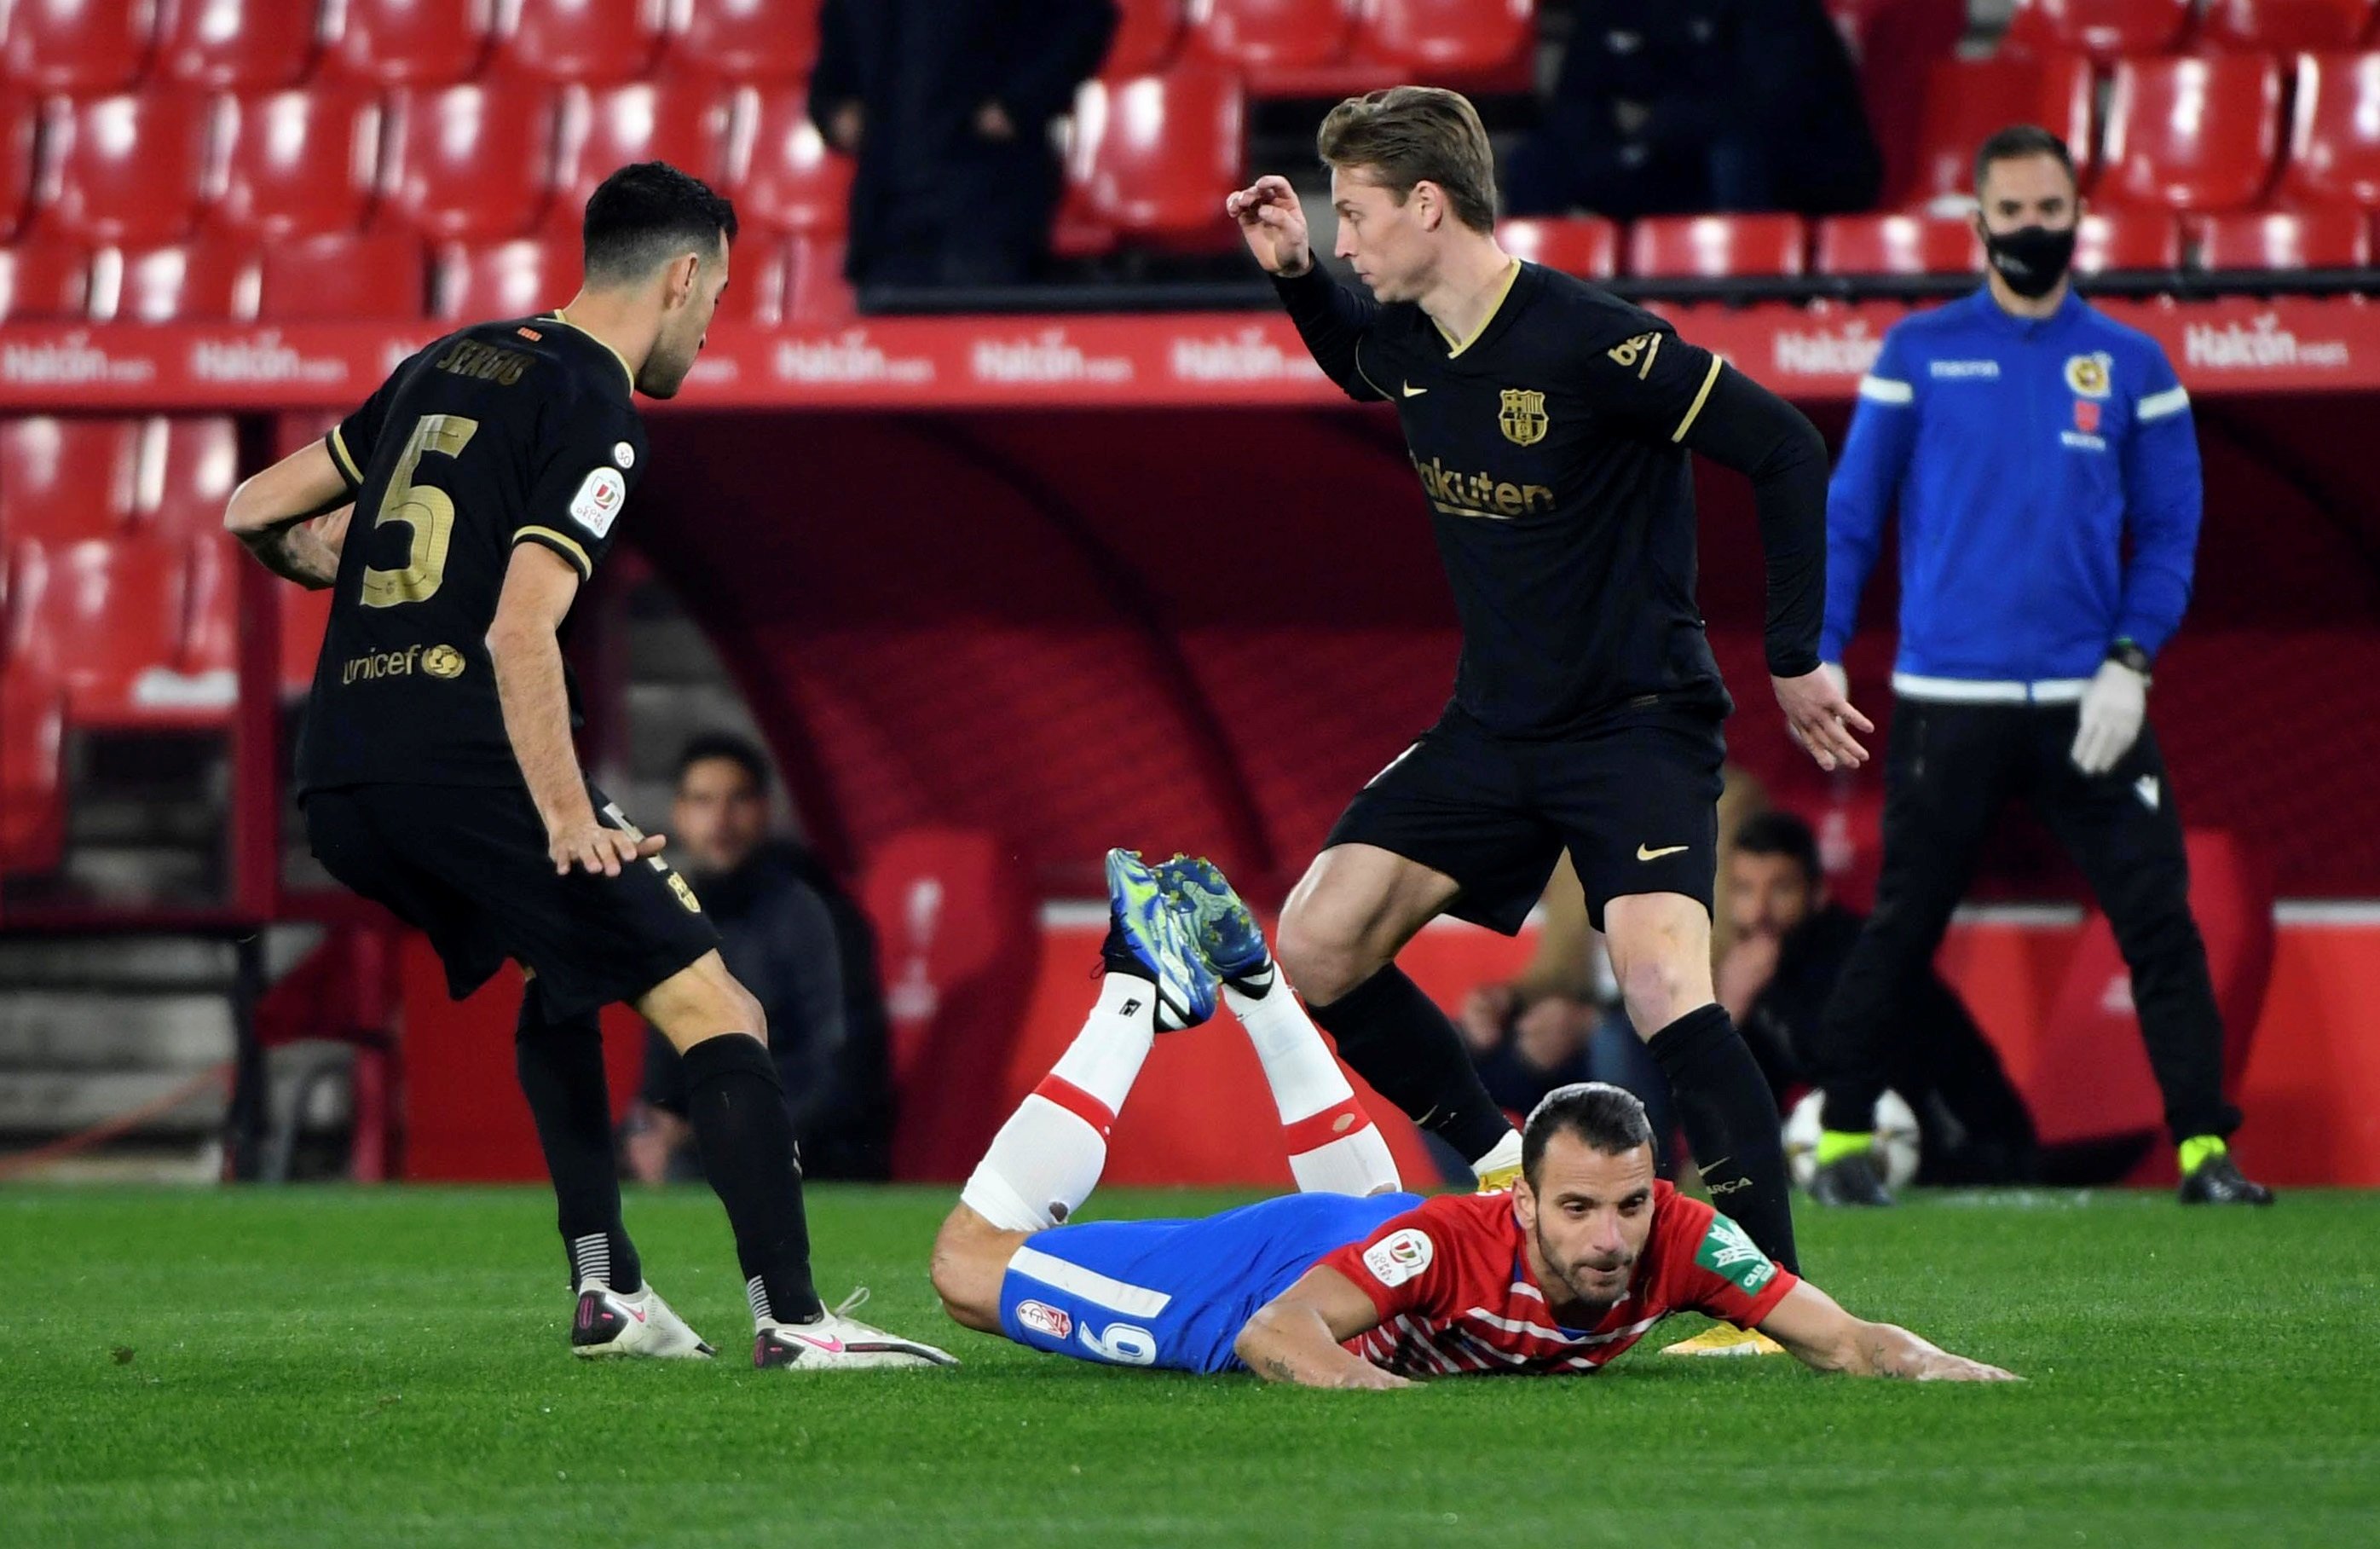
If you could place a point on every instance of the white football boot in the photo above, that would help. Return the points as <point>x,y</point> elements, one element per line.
<point>611,1324</point>
<point>839,1342</point>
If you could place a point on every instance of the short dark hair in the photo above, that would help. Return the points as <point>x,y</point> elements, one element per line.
<point>1607,1117</point>
<point>1413,134</point>
<point>708,745</point>
<point>1780,834</point>
<point>2014,144</point>
<point>646,213</point>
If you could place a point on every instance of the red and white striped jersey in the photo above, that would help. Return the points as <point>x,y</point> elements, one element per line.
<point>1455,1294</point>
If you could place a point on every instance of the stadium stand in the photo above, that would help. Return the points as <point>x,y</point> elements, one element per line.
<point>246,45</point>
<point>2285,26</point>
<point>747,40</point>
<point>204,280</point>
<point>1967,99</point>
<point>19,129</point>
<point>1718,247</point>
<point>685,122</point>
<point>2104,30</point>
<point>590,42</point>
<point>43,279</point>
<point>1148,32</point>
<point>77,45</point>
<point>2191,133</point>
<point>407,43</point>
<point>1586,246</point>
<point>1269,38</point>
<point>2128,241</point>
<point>1154,157</point>
<point>2334,153</point>
<point>505,279</point>
<point>125,167</point>
<point>300,162</point>
<point>340,276</point>
<point>1862,245</point>
<point>2329,236</point>
<point>468,162</point>
<point>789,180</point>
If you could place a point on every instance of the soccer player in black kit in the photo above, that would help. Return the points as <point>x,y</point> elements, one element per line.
<point>456,516</point>
<point>1550,425</point>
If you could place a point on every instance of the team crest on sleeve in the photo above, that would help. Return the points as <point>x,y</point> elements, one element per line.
<point>1042,1318</point>
<point>599,499</point>
<point>1522,417</point>
<point>2090,375</point>
<point>1728,1252</point>
<point>1399,1256</point>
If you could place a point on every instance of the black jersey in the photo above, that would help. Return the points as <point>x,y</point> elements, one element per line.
<point>517,432</point>
<point>1552,449</point>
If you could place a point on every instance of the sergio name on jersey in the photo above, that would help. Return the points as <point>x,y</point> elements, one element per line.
<point>506,433</point>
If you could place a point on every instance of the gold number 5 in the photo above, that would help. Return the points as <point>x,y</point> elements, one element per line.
<point>427,513</point>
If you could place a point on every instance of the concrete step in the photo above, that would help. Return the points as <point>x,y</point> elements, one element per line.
<point>61,1102</point>
<point>125,962</point>
<point>71,1031</point>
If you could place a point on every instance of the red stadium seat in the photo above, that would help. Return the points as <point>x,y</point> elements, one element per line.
<point>2335,139</point>
<point>77,45</point>
<point>590,42</point>
<point>406,42</point>
<point>470,164</point>
<point>507,279</point>
<point>212,279</point>
<point>2330,237</point>
<point>816,290</point>
<point>1898,245</point>
<point>188,464</point>
<point>791,181</point>
<point>1154,156</point>
<point>1966,99</point>
<point>339,276</point>
<point>1260,35</point>
<point>1716,247</point>
<point>124,168</point>
<point>1457,40</point>
<point>755,281</point>
<point>110,618</point>
<point>247,44</point>
<point>2128,239</point>
<point>33,790</point>
<point>63,480</point>
<point>2102,29</point>
<point>685,122</point>
<point>2192,134</point>
<point>749,40</point>
<point>19,128</point>
<point>1148,31</point>
<point>2286,26</point>
<point>298,161</point>
<point>45,281</point>
<point>1587,245</point>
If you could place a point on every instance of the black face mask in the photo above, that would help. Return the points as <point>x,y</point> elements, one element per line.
<point>2033,259</point>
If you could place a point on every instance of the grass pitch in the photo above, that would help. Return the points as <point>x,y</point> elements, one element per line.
<point>343,1367</point>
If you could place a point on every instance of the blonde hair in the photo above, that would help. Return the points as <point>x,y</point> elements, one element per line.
<point>1416,134</point>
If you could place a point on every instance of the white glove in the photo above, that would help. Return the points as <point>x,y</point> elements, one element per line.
<point>2113,708</point>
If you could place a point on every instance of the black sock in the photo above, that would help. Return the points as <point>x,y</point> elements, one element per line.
<point>1730,1122</point>
<point>737,1107</point>
<point>561,1067</point>
<point>1396,1038</point>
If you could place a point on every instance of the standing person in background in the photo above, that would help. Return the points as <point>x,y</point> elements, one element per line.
<point>792,937</point>
<point>947,106</point>
<point>2030,440</point>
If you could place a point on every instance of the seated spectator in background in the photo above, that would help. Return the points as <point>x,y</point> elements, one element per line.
<point>804,949</point>
<point>1685,106</point>
<point>1790,942</point>
<point>947,105</point>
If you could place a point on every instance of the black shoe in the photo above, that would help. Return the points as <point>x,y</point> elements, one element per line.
<point>1851,1180</point>
<point>2219,1181</point>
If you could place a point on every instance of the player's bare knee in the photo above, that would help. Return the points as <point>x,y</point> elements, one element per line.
<point>1658,988</point>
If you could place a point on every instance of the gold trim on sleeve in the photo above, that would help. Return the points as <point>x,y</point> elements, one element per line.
<point>568,543</point>
<point>345,459</point>
<point>625,368</point>
<point>1693,410</point>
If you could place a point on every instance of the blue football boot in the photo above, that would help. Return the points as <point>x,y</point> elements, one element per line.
<point>1152,936</point>
<point>1228,934</point>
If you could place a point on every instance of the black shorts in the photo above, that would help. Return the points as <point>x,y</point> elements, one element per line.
<point>1635,800</point>
<point>466,865</point>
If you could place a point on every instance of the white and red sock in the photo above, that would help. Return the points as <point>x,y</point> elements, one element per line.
<point>1334,1147</point>
<point>1046,1158</point>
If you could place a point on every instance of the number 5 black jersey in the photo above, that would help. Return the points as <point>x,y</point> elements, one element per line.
<point>511,433</point>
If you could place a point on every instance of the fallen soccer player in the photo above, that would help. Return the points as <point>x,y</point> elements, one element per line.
<point>1349,1283</point>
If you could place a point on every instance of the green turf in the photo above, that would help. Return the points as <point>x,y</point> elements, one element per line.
<point>348,1368</point>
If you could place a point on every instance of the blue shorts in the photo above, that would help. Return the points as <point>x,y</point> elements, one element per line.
<point>1174,1294</point>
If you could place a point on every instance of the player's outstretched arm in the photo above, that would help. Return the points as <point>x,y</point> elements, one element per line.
<point>1296,1337</point>
<point>524,648</point>
<point>1812,1326</point>
<point>1330,318</point>
<point>273,513</point>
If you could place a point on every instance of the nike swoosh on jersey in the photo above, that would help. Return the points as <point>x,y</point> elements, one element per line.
<point>1413,392</point>
<point>1644,854</point>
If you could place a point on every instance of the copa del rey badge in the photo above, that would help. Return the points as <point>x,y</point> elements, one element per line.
<point>599,499</point>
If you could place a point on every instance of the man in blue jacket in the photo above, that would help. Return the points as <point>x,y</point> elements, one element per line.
<point>2024,437</point>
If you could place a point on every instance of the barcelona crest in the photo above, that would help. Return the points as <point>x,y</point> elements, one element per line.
<point>1522,418</point>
